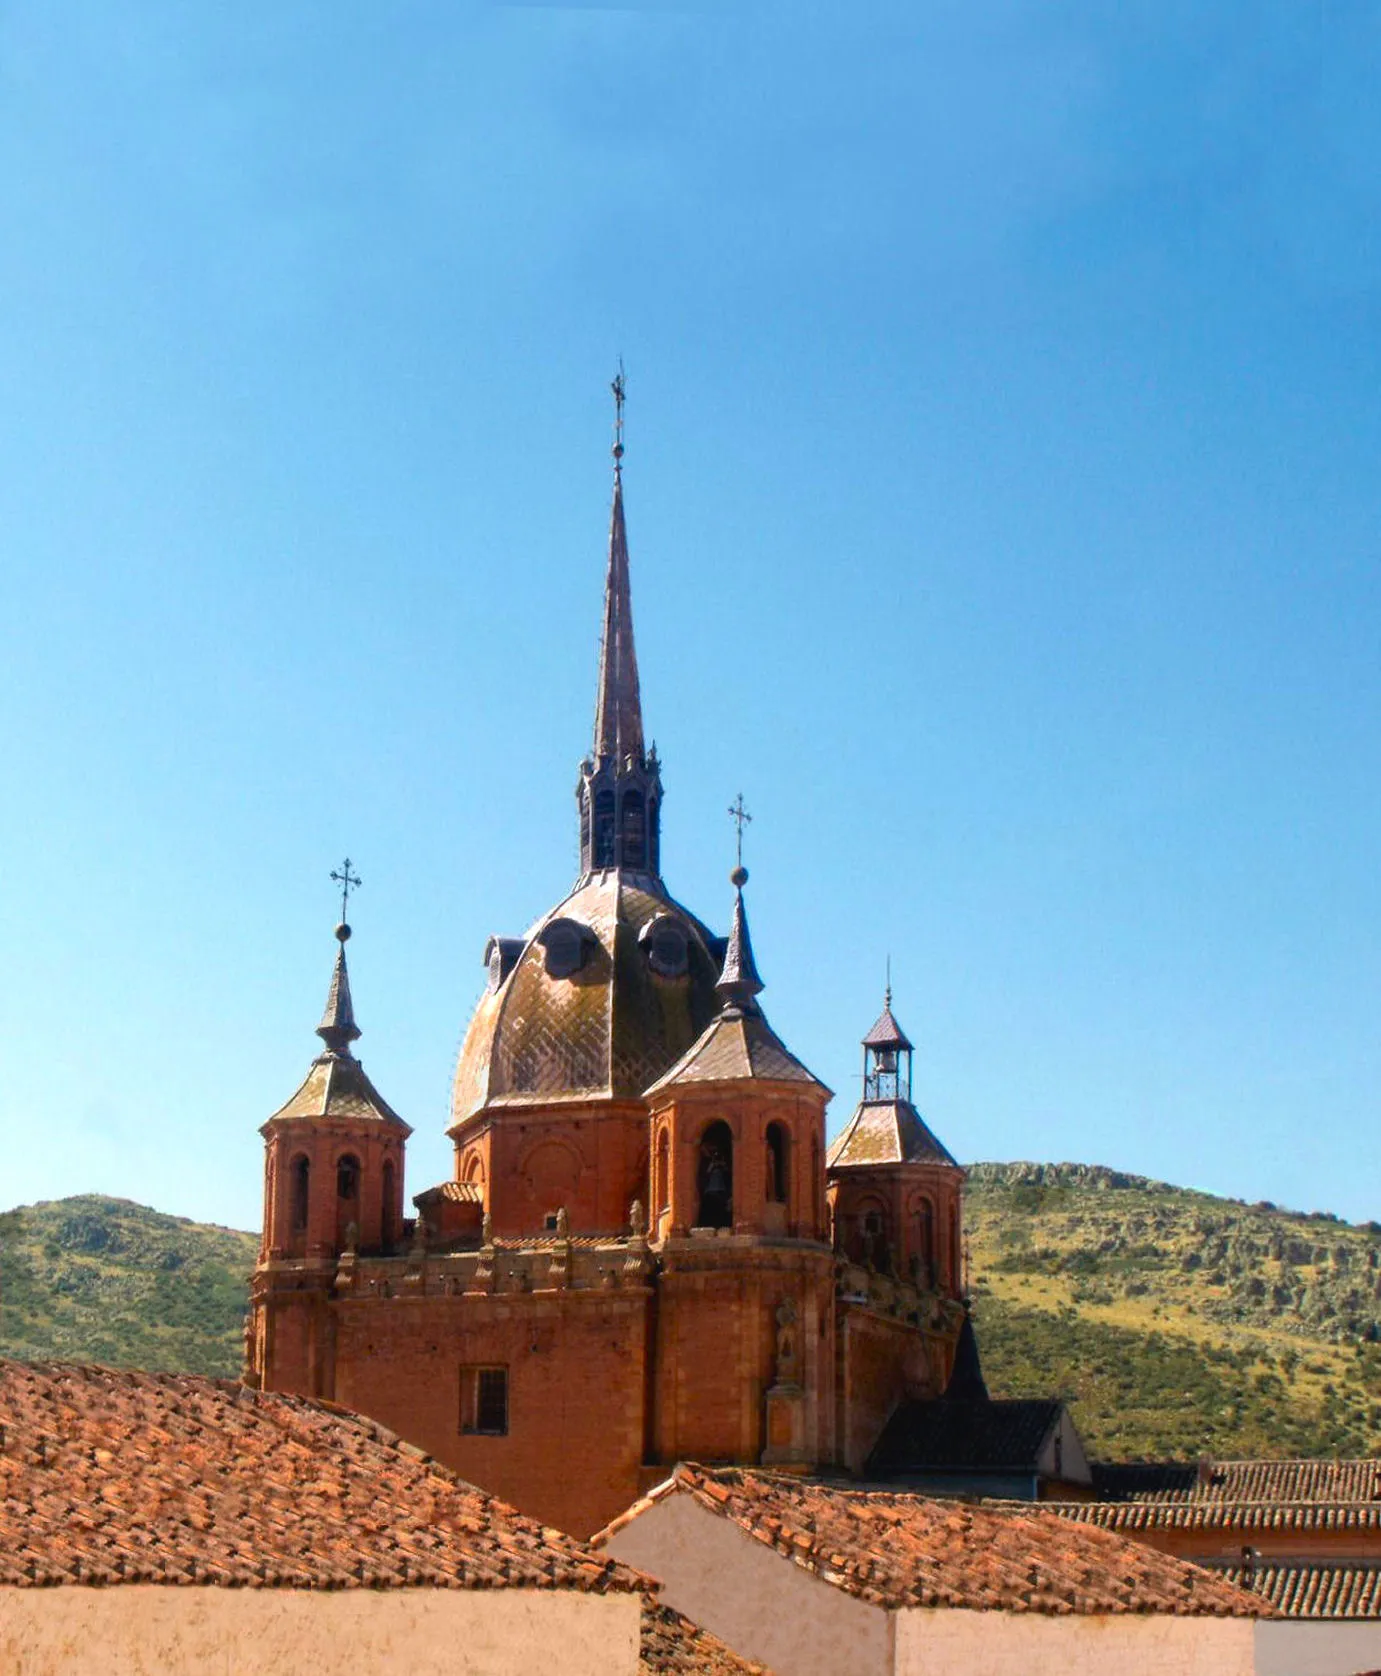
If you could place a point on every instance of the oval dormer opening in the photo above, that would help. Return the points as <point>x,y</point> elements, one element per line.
<point>566,945</point>
<point>666,943</point>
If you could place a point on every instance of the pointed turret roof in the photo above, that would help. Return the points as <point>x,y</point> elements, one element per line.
<point>739,982</point>
<point>888,1132</point>
<point>338,1028</point>
<point>618,700</point>
<point>887,1033</point>
<point>336,1086</point>
<point>739,1045</point>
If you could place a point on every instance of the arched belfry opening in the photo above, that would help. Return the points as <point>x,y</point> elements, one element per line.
<point>715,1177</point>
<point>778,1178</point>
<point>300,1194</point>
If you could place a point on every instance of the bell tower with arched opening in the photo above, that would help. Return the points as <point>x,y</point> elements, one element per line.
<point>333,1189</point>
<point>895,1191</point>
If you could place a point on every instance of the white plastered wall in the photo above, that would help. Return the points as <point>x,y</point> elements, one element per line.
<point>759,1602</point>
<point>955,1643</point>
<point>1298,1647</point>
<point>163,1630</point>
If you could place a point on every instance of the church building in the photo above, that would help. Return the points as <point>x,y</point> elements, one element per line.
<point>645,1254</point>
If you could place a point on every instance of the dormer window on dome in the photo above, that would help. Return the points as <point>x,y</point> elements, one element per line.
<point>666,943</point>
<point>566,944</point>
<point>500,957</point>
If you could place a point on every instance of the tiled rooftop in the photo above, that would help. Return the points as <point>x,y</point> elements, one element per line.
<point>896,1549</point>
<point>1250,1517</point>
<point>1354,1482</point>
<point>112,1477</point>
<point>452,1193</point>
<point>338,1087</point>
<point>972,1436</point>
<point>674,1646</point>
<point>737,1046</point>
<point>1305,1589</point>
<point>887,1132</point>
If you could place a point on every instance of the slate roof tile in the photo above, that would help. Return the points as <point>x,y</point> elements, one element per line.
<point>887,1132</point>
<point>110,1477</point>
<point>953,1435</point>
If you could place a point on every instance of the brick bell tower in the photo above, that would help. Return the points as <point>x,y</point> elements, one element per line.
<point>745,1323</point>
<point>895,1191</point>
<point>333,1188</point>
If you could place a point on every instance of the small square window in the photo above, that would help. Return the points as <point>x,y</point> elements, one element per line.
<point>484,1401</point>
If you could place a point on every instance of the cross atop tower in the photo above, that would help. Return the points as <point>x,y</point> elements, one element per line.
<point>618,388</point>
<point>738,813</point>
<point>347,881</point>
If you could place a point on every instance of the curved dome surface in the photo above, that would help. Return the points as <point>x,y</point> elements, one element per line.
<point>608,1030</point>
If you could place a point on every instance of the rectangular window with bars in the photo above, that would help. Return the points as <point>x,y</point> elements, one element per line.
<point>484,1401</point>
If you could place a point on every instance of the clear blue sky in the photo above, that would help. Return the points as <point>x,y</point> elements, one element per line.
<point>1003,500</point>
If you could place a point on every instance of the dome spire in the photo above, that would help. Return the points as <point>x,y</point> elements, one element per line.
<point>618,701</point>
<point>619,793</point>
<point>338,1028</point>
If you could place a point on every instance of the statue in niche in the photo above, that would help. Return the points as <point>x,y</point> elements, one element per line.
<point>788,1370</point>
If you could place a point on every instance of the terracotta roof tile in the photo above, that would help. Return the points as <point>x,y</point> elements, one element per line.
<point>1247,1516</point>
<point>902,1550</point>
<point>451,1192</point>
<point>674,1646</point>
<point>1309,1589</point>
<point>1354,1482</point>
<point>110,1477</point>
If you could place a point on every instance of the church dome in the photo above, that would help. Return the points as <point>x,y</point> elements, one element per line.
<point>609,990</point>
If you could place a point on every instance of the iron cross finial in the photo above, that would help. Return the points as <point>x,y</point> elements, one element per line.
<point>619,388</point>
<point>889,981</point>
<point>738,813</point>
<point>347,881</point>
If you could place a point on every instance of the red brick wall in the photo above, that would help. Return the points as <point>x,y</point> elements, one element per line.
<point>575,1391</point>
<point>880,1362</point>
<point>590,1159</point>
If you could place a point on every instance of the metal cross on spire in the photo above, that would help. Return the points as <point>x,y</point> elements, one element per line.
<point>618,387</point>
<point>738,813</point>
<point>347,881</point>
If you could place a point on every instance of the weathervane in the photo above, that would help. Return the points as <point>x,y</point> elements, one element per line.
<point>347,881</point>
<point>618,387</point>
<point>738,813</point>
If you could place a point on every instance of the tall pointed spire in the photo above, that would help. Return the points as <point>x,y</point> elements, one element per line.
<point>620,788</point>
<point>338,1028</point>
<point>739,982</point>
<point>618,702</point>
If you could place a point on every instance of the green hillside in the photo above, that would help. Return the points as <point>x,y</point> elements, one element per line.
<point>1175,1322</point>
<point>104,1280</point>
